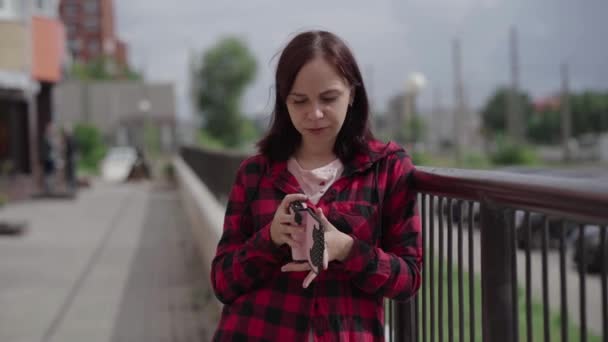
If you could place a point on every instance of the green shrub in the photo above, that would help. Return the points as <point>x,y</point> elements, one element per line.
<point>510,153</point>
<point>206,140</point>
<point>90,146</point>
<point>421,158</point>
<point>476,161</point>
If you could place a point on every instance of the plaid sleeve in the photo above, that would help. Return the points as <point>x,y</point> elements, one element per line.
<point>245,258</point>
<point>394,269</point>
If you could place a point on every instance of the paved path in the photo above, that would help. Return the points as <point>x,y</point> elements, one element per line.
<point>116,264</point>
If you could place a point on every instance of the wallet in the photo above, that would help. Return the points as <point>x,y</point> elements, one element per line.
<point>313,248</point>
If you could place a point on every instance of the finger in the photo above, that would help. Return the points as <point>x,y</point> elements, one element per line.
<point>309,278</point>
<point>300,237</point>
<point>292,198</point>
<point>296,267</point>
<point>286,219</point>
<point>325,258</point>
<point>291,241</point>
<point>323,219</point>
<point>293,230</point>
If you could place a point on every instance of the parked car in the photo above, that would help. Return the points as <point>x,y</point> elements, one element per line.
<point>537,222</point>
<point>593,252</point>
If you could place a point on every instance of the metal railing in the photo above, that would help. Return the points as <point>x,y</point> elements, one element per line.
<point>490,224</point>
<point>502,257</point>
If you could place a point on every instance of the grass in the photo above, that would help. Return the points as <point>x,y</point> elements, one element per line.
<point>537,312</point>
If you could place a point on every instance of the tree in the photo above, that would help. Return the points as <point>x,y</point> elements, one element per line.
<point>589,112</point>
<point>545,127</point>
<point>218,84</point>
<point>102,68</point>
<point>494,113</point>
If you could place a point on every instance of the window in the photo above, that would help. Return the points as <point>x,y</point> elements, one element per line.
<point>72,29</point>
<point>93,48</point>
<point>92,24</point>
<point>75,45</point>
<point>91,7</point>
<point>70,10</point>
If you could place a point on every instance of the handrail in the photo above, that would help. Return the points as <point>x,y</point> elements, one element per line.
<point>575,199</point>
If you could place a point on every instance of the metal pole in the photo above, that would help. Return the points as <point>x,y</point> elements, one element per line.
<point>566,114</point>
<point>436,123</point>
<point>514,115</point>
<point>458,99</point>
<point>31,96</point>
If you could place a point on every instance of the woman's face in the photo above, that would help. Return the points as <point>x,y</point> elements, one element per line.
<point>318,102</point>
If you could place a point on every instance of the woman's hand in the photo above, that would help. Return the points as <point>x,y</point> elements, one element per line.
<point>337,247</point>
<point>283,229</point>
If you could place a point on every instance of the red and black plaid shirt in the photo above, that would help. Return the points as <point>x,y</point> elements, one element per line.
<point>373,201</point>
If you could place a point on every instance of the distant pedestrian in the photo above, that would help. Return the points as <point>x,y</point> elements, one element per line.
<point>69,157</point>
<point>48,158</point>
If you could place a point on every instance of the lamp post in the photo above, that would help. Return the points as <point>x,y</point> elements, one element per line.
<point>144,107</point>
<point>415,83</point>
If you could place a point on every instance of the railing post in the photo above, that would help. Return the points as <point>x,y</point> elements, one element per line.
<point>496,277</point>
<point>405,319</point>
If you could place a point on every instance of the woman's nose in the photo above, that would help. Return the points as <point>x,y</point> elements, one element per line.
<point>316,112</point>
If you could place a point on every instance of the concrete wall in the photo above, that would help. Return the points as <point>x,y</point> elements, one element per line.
<point>106,103</point>
<point>217,169</point>
<point>200,199</point>
<point>206,218</point>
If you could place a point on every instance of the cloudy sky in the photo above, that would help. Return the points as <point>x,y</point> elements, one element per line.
<point>390,38</point>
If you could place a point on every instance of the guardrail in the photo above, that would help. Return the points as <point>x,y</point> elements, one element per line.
<point>486,224</point>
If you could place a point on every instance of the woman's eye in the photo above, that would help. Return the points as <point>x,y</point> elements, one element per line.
<point>329,99</point>
<point>298,102</point>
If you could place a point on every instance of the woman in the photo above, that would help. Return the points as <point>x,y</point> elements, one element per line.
<point>320,150</point>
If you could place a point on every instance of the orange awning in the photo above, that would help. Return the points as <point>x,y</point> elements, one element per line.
<point>48,37</point>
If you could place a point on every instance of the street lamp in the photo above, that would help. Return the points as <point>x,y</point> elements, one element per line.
<point>414,84</point>
<point>144,106</point>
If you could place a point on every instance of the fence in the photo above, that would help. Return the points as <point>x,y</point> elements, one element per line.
<point>504,213</point>
<point>483,232</point>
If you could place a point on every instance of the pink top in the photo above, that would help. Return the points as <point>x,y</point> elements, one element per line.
<point>315,182</point>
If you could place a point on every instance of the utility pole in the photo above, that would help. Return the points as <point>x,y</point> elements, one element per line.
<point>566,116</point>
<point>514,114</point>
<point>436,127</point>
<point>31,96</point>
<point>459,105</point>
<point>370,87</point>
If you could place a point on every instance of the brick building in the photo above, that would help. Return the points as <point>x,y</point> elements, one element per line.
<point>91,33</point>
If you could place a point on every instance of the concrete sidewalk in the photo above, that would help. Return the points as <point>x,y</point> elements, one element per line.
<point>85,268</point>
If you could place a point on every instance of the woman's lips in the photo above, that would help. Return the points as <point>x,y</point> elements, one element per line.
<point>316,130</point>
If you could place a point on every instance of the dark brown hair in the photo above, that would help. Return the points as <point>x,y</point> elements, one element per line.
<point>282,139</point>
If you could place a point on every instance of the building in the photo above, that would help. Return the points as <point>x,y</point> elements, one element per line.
<point>91,32</point>
<point>32,51</point>
<point>121,110</point>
